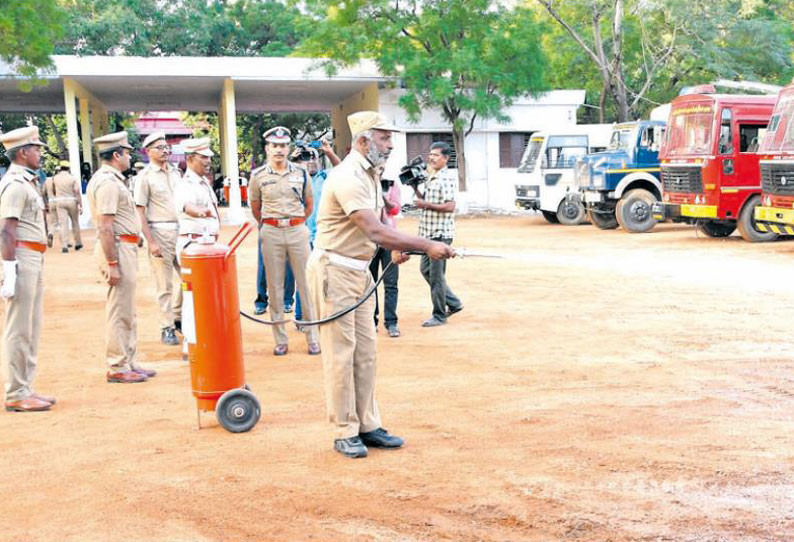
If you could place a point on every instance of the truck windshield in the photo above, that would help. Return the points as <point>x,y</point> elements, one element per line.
<point>690,130</point>
<point>781,127</point>
<point>622,138</point>
<point>563,151</point>
<point>530,157</point>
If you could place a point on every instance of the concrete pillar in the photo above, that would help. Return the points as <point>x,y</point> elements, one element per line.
<point>364,100</point>
<point>72,136</point>
<point>85,125</point>
<point>227,118</point>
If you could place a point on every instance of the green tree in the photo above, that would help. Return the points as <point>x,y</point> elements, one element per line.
<point>466,58</point>
<point>28,31</point>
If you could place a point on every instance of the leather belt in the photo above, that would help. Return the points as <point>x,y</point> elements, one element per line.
<point>171,226</point>
<point>31,245</point>
<point>128,238</point>
<point>197,235</point>
<point>344,261</point>
<point>283,222</point>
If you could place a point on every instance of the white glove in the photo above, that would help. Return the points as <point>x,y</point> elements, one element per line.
<point>9,279</point>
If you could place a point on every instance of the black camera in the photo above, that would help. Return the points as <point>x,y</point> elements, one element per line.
<point>306,150</point>
<point>414,173</point>
<point>386,184</point>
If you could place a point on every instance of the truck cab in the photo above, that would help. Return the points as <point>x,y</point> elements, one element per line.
<point>709,162</point>
<point>549,162</point>
<point>620,185</point>
<point>776,212</point>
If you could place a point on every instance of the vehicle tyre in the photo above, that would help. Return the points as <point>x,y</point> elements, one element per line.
<point>746,223</point>
<point>238,410</point>
<point>571,212</point>
<point>602,221</point>
<point>716,229</point>
<point>633,211</point>
<point>550,217</point>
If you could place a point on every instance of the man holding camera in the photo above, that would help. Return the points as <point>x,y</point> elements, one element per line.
<point>437,222</point>
<point>348,232</point>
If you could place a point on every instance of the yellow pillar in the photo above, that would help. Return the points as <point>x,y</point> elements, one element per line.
<point>72,136</point>
<point>364,100</point>
<point>227,119</point>
<point>85,125</point>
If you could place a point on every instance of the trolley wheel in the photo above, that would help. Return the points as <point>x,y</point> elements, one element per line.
<point>238,410</point>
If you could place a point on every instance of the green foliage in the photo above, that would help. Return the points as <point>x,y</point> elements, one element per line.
<point>28,31</point>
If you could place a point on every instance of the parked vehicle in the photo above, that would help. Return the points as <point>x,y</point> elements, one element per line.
<point>620,185</point>
<point>709,162</point>
<point>549,162</point>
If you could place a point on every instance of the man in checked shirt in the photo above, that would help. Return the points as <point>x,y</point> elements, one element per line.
<point>437,222</point>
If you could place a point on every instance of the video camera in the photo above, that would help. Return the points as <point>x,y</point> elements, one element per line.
<point>414,173</point>
<point>305,152</point>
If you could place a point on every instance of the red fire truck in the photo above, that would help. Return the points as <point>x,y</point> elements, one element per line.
<point>709,162</point>
<point>776,214</point>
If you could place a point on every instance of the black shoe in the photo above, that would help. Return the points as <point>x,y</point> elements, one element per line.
<point>168,337</point>
<point>451,311</point>
<point>64,250</point>
<point>78,247</point>
<point>433,322</point>
<point>259,309</point>
<point>350,447</point>
<point>380,438</point>
<point>178,325</point>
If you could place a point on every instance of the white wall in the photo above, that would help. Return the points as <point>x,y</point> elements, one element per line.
<point>488,184</point>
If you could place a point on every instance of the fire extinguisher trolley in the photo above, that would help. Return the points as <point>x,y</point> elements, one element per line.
<point>211,326</point>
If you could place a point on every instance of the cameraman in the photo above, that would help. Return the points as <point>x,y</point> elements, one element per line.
<point>437,222</point>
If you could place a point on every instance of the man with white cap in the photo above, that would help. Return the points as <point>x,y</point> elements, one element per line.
<point>22,245</point>
<point>154,198</point>
<point>68,204</point>
<point>348,232</point>
<point>196,203</point>
<point>281,201</point>
<point>116,251</point>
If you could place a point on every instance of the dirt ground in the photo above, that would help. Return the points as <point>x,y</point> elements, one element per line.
<point>598,386</point>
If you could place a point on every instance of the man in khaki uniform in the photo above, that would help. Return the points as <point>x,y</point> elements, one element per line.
<point>50,210</point>
<point>154,197</point>
<point>22,245</point>
<point>196,203</point>
<point>68,205</point>
<point>348,232</point>
<point>116,252</point>
<point>281,201</point>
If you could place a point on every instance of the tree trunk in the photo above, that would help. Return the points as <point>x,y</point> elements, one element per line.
<point>602,100</point>
<point>459,138</point>
<point>57,134</point>
<point>256,146</point>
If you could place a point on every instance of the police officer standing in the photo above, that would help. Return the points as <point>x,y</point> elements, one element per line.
<point>348,231</point>
<point>154,198</point>
<point>281,200</point>
<point>116,251</point>
<point>196,203</point>
<point>68,204</point>
<point>22,245</point>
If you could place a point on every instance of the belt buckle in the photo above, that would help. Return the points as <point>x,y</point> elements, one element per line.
<point>283,222</point>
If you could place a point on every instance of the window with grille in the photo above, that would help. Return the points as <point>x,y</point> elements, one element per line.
<point>419,145</point>
<point>511,148</point>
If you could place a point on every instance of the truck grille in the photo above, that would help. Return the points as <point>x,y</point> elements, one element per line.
<point>682,179</point>
<point>777,178</point>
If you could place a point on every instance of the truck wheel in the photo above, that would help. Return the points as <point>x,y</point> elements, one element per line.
<point>550,217</point>
<point>237,410</point>
<point>602,221</point>
<point>746,223</point>
<point>571,212</point>
<point>716,229</point>
<point>633,211</point>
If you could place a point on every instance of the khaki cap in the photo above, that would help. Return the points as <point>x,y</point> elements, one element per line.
<point>112,141</point>
<point>369,120</point>
<point>151,138</point>
<point>139,165</point>
<point>197,146</point>
<point>278,134</point>
<point>21,137</point>
<point>64,164</point>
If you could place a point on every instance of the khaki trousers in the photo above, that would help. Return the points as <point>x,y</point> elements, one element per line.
<point>22,330</point>
<point>52,220</point>
<point>121,327</point>
<point>278,244</point>
<point>67,210</point>
<point>167,277</point>
<point>348,345</point>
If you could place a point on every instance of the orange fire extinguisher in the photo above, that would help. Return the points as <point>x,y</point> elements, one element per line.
<point>211,326</point>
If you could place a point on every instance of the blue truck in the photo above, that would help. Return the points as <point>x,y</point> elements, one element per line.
<point>619,186</point>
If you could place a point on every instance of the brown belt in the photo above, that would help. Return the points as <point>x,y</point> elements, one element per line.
<point>128,238</point>
<point>31,245</point>
<point>197,235</point>
<point>283,222</point>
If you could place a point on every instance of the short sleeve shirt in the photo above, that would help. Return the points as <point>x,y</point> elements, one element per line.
<point>154,190</point>
<point>353,185</point>
<point>21,199</point>
<point>281,195</point>
<point>108,195</point>
<point>195,190</point>
<point>64,187</point>
<point>440,187</point>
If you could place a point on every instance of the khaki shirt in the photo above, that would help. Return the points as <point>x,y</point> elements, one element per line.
<point>282,195</point>
<point>20,199</point>
<point>154,190</point>
<point>353,185</point>
<point>64,187</point>
<point>108,195</point>
<point>196,190</point>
